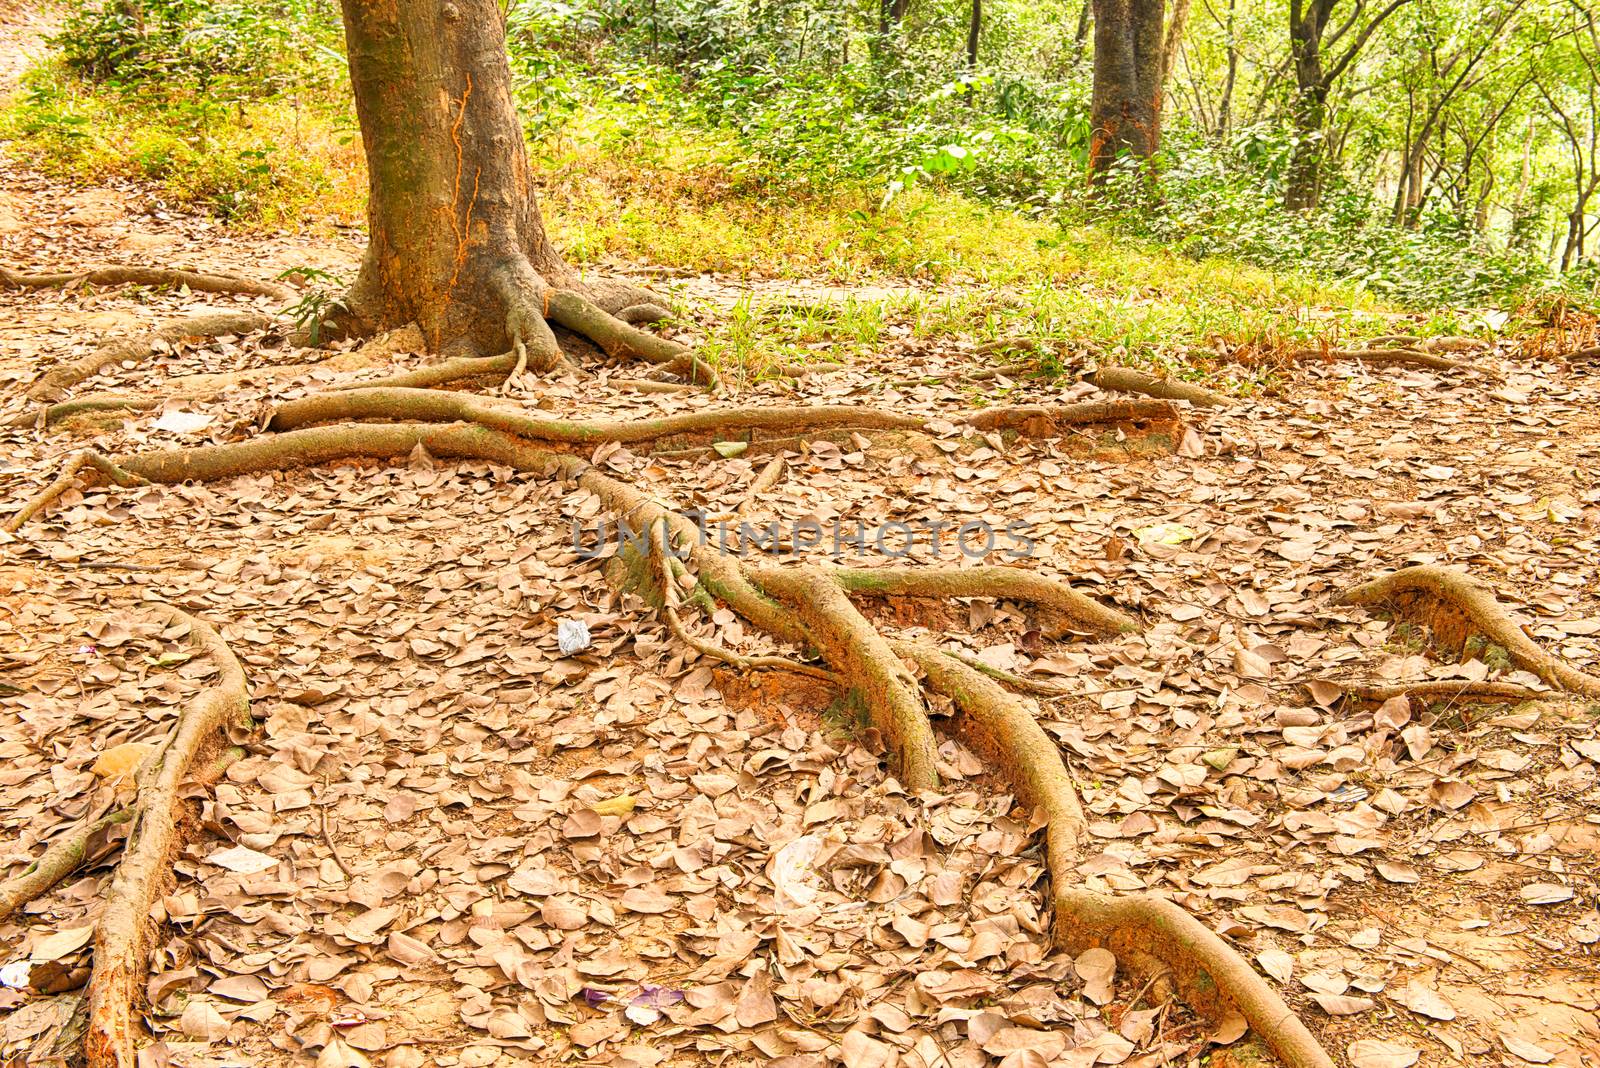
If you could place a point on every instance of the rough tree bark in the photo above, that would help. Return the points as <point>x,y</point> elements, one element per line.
<point>1308,25</point>
<point>456,241</point>
<point>1126,108</point>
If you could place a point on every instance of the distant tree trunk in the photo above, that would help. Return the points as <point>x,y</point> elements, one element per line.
<point>1313,82</point>
<point>1126,108</point>
<point>1521,235</point>
<point>1174,39</point>
<point>1225,105</point>
<point>1082,36</point>
<point>891,13</point>
<point>974,28</point>
<point>1310,110</point>
<point>456,243</point>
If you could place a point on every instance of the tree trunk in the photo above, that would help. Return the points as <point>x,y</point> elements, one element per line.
<point>1225,108</point>
<point>1303,186</point>
<point>1173,44</point>
<point>1127,82</point>
<point>456,243</point>
<point>974,28</point>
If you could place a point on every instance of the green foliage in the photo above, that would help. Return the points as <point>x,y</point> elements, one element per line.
<point>253,48</point>
<point>1205,209</point>
<point>691,130</point>
<point>245,161</point>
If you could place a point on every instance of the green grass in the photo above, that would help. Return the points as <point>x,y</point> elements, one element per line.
<point>617,189</point>
<point>286,162</point>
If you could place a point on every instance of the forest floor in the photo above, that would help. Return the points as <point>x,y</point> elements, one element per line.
<point>437,868</point>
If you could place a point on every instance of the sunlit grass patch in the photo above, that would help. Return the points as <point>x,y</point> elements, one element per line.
<point>290,162</point>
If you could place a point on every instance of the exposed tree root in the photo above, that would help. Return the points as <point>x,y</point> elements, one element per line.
<point>1148,933</point>
<point>51,385</point>
<point>198,281</point>
<point>123,934</point>
<point>763,484</point>
<point>643,314</point>
<point>69,474</point>
<point>1421,591</point>
<point>434,406</point>
<point>1076,611</point>
<point>1113,378</point>
<point>99,402</point>
<point>620,340</point>
<point>1129,380</point>
<point>124,930</point>
<point>1453,689</point>
<point>661,556</point>
<point>64,856</point>
<point>1385,358</point>
<point>810,607</point>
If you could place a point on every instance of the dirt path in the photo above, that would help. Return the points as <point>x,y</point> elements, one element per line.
<point>481,851</point>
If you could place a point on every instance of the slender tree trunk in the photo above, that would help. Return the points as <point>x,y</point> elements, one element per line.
<point>1126,109</point>
<point>974,28</point>
<point>1173,44</point>
<point>1522,235</point>
<point>1225,106</point>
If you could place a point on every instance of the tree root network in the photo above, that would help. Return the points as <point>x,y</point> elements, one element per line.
<point>124,932</point>
<point>808,607</point>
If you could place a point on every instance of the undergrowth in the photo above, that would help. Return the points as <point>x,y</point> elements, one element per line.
<point>640,168</point>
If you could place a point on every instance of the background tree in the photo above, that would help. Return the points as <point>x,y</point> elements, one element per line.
<point>1308,26</point>
<point>1128,66</point>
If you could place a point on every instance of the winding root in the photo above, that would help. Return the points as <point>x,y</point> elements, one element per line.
<point>69,474</point>
<point>64,856</point>
<point>397,403</point>
<point>810,607</point>
<point>198,281</point>
<point>99,402</point>
<point>1151,933</point>
<point>1084,614</point>
<point>1386,358</point>
<point>1420,592</point>
<point>662,557</point>
<point>1452,689</point>
<point>124,931</point>
<point>123,934</point>
<point>620,340</point>
<point>51,385</point>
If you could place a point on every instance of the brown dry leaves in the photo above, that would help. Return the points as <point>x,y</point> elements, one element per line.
<point>600,858</point>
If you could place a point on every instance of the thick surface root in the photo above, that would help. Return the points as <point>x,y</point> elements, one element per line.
<point>1386,358</point>
<point>53,384</point>
<point>1443,689</point>
<point>88,458</point>
<point>123,934</point>
<point>805,606</point>
<point>435,406</point>
<point>51,414</point>
<point>1129,380</point>
<point>1150,933</point>
<point>198,281</point>
<point>64,856</point>
<point>1078,612</point>
<point>124,930</point>
<point>1418,592</point>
